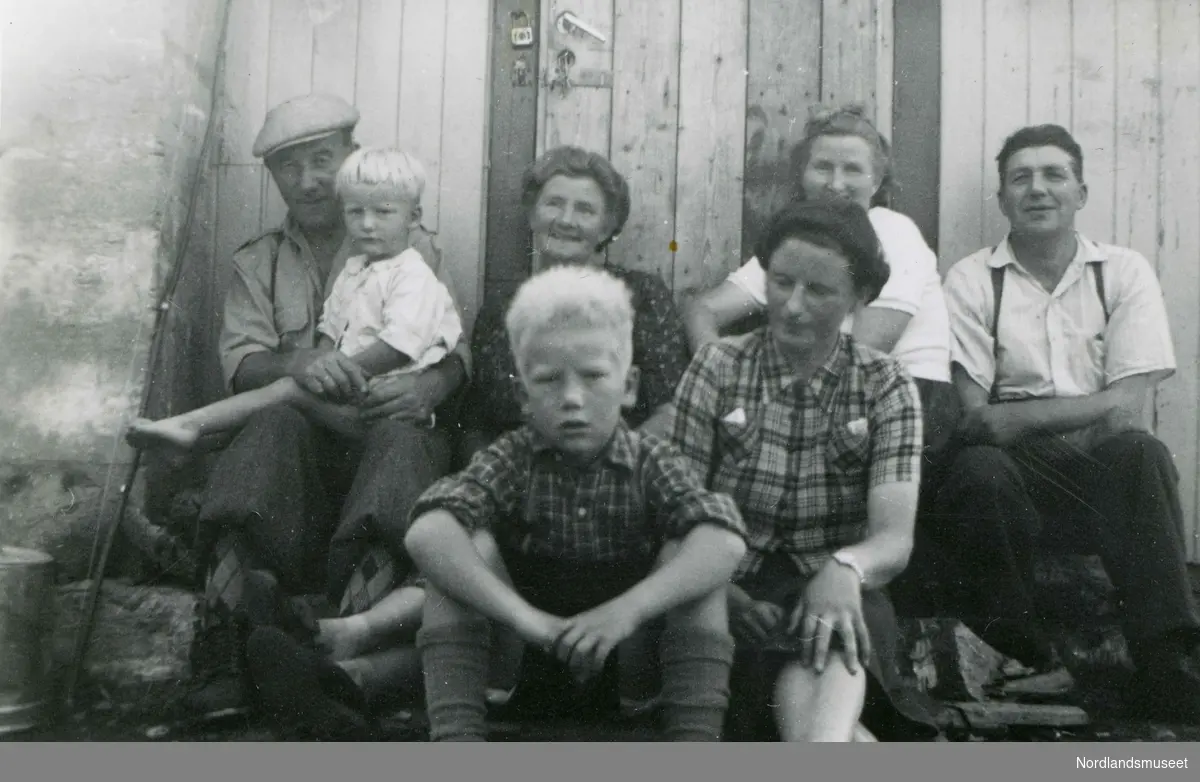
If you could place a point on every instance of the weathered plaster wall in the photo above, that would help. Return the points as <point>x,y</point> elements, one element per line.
<point>103,108</point>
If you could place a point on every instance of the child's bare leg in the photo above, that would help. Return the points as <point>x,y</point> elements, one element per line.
<point>340,418</point>
<point>182,431</point>
<point>394,618</point>
<point>811,706</point>
<point>696,654</point>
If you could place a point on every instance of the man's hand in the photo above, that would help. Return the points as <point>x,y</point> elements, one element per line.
<point>336,375</point>
<point>409,397</point>
<point>588,638</point>
<point>831,604</point>
<point>752,621</point>
<point>989,425</point>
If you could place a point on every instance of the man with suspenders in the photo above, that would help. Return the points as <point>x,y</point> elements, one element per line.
<point>1058,342</point>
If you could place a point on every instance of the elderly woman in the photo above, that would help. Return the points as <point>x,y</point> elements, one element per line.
<point>577,204</point>
<point>817,437</point>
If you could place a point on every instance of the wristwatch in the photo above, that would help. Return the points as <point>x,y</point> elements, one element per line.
<point>848,559</point>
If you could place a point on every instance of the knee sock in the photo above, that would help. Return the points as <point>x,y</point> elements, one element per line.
<point>454,658</point>
<point>695,674</point>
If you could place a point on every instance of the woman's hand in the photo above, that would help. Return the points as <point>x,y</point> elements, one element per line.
<point>752,621</point>
<point>831,603</point>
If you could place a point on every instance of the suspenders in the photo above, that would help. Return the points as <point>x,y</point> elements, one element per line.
<point>998,292</point>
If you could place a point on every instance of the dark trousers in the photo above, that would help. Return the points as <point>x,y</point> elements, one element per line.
<point>1118,498</point>
<point>915,590</point>
<point>309,502</point>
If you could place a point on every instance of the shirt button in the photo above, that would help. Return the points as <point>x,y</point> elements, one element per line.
<point>582,512</point>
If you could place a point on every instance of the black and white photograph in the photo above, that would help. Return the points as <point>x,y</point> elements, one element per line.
<point>601,371</point>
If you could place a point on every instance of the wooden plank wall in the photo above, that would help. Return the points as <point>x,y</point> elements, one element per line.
<point>1124,77</point>
<point>705,101</point>
<point>418,72</point>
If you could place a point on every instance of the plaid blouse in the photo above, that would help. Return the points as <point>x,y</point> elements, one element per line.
<point>798,459</point>
<point>660,351</point>
<point>637,495</point>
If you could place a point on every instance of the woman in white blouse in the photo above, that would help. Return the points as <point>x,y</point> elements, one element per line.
<point>843,156</point>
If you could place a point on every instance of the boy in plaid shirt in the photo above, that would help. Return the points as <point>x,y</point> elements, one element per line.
<point>573,531</point>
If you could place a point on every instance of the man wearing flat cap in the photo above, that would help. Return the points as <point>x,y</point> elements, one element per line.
<point>289,504</point>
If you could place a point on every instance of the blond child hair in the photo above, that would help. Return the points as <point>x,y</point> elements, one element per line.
<point>571,297</point>
<point>382,168</point>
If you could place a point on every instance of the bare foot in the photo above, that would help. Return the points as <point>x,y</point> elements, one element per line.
<point>144,433</point>
<point>344,638</point>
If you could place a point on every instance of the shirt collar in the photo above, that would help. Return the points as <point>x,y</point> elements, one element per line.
<point>780,377</point>
<point>1086,251</point>
<point>291,231</point>
<point>621,450</point>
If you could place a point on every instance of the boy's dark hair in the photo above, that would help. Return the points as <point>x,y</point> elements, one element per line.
<point>1041,136</point>
<point>580,163</point>
<point>842,226</point>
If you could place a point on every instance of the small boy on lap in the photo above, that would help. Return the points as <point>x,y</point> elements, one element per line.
<point>573,531</point>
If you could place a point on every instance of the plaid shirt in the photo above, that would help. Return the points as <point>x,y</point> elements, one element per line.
<point>637,495</point>
<point>799,459</point>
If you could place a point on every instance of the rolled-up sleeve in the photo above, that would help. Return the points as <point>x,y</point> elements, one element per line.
<point>751,279</point>
<point>1138,335</point>
<point>248,320</point>
<point>488,488</point>
<point>912,264</point>
<point>678,501</point>
<point>968,303</point>
<point>895,423</point>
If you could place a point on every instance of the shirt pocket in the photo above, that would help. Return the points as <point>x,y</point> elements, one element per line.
<point>738,442</point>
<point>1085,353</point>
<point>849,448</point>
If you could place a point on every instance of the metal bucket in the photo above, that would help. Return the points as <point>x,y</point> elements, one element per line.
<point>26,638</point>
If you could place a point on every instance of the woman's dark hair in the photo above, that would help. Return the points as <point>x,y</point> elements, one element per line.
<point>849,120</point>
<point>841,226</point>
<point>580,163</point>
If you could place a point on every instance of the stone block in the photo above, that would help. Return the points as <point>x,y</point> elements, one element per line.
<point>141,640</point>
<point>948,660</point>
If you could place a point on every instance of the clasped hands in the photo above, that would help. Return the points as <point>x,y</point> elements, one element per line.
<point>338,379</point>
<point>829,606</point>
<point>584,641</point>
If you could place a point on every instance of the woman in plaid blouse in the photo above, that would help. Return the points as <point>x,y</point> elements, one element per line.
<point>818,439</point>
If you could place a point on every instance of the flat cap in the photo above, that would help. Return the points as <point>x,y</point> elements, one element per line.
<point>303,119</point>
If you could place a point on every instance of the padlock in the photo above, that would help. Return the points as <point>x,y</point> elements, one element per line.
<point>522,30</point>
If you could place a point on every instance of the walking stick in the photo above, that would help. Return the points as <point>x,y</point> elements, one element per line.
<point>160,312</point>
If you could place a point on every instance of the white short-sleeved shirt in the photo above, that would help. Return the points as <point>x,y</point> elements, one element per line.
<point>399,301</point>
<point>913,287</point>
<point>1057,344</point>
